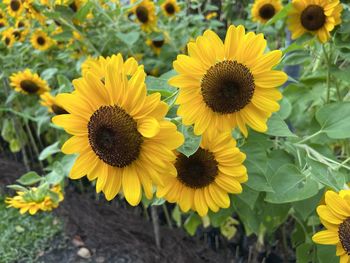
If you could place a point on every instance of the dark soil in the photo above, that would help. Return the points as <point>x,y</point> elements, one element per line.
<point>9,172</point>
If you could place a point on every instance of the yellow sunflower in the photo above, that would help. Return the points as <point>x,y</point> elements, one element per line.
<point>41,41</point>
<point>15,8</point>
<point>30,202</point>
<point>170,7</point>
<point>28,83</point>
<point>8,38</point>
<point>211,15</point>
<point>228,85</point>
<point>50,102</point>
<point>3,23</point>
<point>205,178</point>
<point>145,13</point>
<point>22,24</point>
<point>264,10</point>
<point>118,131</point>
<point>19,34</point>
<point>335,216</point>
<point>2,14</point>
<point>318,17</point>
<point>156,44</point>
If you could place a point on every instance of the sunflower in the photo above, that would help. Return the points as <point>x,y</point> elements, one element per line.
<point>205,178</point>
<point>156,44</point>
<point>19,34</point>
<point>30,202</point>
<point>170,7</point>
<point>22,24</point>
<point>15,8</point>
<point>318,17</point>
<point>145,13</point>
<point>335,216</point>
<point>230,84</point>
<point>3,23</point>
<point>40,40</point>
<point>264,10</point>
<point>50,102</point>
<point>28,83</point>
<point>8,38</point>
<point>99,66</point>
<point>2,14</point>
<point>118,131</point>
<point>211,15</point>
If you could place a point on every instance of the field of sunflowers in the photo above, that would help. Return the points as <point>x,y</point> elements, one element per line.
<point>175,131</point>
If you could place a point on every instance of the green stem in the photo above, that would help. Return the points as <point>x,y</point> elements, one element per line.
<point>329,64</point>
<point>311,136</point>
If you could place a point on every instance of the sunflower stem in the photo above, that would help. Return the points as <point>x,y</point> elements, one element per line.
<point>329,64</point>
<point>155,221</point>
<point>167,216</point>
<point>310,137</point>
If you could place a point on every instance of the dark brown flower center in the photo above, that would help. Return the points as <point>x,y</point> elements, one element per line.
<point>74,7</point>
<point>58,110</point>
<point>142,14</point>
<point>29,86</point>
<point>267,11</point>
<point>227,87</point>
<point>41,41</point>
<point>7,41</point>
<point>15,5</point>
<point>114,137</point>
<point>158,43</point>
<point>170,8</point>
<point>313,17</point>
<point>344,235</point>
<point>17,34</point>
<point>198,170</point>
<point>2,24</point>
<point>20,24</point>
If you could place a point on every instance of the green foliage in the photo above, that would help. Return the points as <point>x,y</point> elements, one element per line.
<point>23,237</point>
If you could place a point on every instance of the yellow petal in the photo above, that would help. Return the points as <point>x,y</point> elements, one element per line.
<point>199,202</point>
<point>326,237</point>
<point>148,127</point>
<point>131,185</point>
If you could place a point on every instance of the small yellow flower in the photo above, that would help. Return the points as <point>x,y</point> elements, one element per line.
<point>15,8</point>
<point>264,10</point>
<point>211,15</point>
<point>145,13</point>
<point>335,216</point>
<point>3,23</point>
<point>28,83</point>
<point>156,44</point>
<point>318,17</point>
<point>8,38</point>
<point>30,202</point>
<point>41,41</point>
<point>170,8</point>
<point>50,102</point>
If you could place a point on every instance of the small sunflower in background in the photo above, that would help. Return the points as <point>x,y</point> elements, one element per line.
<point>22,24</point>
<point>211,15</point>
<point>145,13</point>
<point>335,216</point>
<point>15,8</point>
<point>3,23</point>
<point>264,10</point>
<point>8,38</point>
<point>157,42</point>
<point>28,83</point>
<point>119,132</point>
<point>33,202</point>
<point>34,13</point>
<point>205,179</point>
<point>2,14</point>
<point>318,17</point>
<point>170,8</point>
<point>50,102</point>
<point>20,35</point>
<point>40,40</point>
<point>230,84</point>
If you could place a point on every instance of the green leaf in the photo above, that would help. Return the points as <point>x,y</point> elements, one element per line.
<point>64,84</point>
<point>248,196</point>
<point>304,253</point>
<point>326,254</point>
<point>54,196</point>
<point>277,127</point>
<point>228,227</point>
<point>54,177</point>
<point>159,85</point>
<point>335,120</point>
<point>49,150</point>
<point>17,187</point>
<point>322,174</point>
<point>280,15</point>
<point>83,11</point>
<point>129,38</point>
<point>176,215</point>
<point>48,73</point>
<point>305,207</point>
<point>291,185</point>
<point>29,178</point>
<point>192,222</point>
<point>219,217</point>
<point>286,108</point>
<point>192,141</point>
